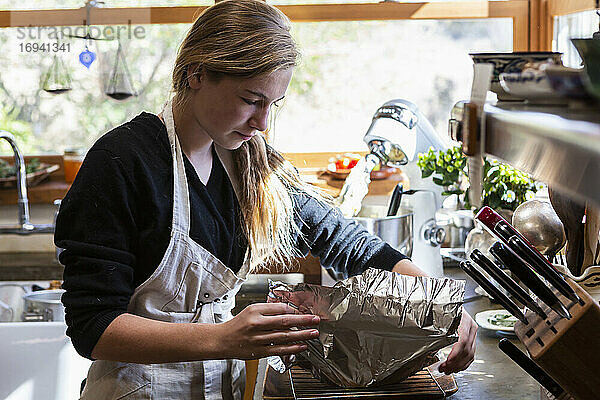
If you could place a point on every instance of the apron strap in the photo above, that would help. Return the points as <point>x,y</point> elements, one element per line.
<point>181,198</point>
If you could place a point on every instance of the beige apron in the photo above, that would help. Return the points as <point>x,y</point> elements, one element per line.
<point>189,285</point>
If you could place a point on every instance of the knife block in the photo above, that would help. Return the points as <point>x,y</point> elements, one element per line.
<point>568,350</point>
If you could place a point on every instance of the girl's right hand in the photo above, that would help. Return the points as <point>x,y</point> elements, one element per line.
<point>265,329</point>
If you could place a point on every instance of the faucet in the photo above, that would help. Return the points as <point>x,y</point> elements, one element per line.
<point>25,227</point>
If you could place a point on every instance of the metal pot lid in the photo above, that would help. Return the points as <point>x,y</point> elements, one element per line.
<point>45,296</point>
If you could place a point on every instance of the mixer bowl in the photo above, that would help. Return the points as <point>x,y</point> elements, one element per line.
<point>395,230</point>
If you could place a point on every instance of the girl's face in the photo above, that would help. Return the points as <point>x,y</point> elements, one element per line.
<point>233,110</point>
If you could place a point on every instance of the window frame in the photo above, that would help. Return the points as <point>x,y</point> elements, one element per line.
<point>533,20</point>
<point>518,10</point>
<point>548,10</point>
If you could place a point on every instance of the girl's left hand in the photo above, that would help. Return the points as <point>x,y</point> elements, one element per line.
<point>463,351</point>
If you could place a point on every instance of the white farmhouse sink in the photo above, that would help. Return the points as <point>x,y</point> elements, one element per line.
<point>38,362</point>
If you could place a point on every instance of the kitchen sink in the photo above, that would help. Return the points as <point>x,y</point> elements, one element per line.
<point>38,361</point>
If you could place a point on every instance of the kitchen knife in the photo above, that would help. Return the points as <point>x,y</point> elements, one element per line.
<point>541,265</point>
<point>529,278</point>
<point>506,282</point>
<point>532,368</point>
<point>521,246</point>
<point>493,291</point>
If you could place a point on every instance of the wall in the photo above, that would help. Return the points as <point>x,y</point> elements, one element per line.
<point>39,214</point>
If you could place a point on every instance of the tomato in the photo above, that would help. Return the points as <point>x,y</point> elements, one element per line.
<point>346,162</point>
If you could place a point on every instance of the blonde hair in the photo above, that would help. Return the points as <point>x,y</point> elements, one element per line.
<point>246,39</point>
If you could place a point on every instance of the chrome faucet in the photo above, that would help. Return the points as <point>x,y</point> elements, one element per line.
<point>25,227</point>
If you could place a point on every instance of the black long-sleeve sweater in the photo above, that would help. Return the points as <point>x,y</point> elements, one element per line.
<point>114,226</point>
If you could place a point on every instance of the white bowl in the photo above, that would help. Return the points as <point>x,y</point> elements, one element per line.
<point>529,84</point>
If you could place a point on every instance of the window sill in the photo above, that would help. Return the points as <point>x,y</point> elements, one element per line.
<point>46,192</point>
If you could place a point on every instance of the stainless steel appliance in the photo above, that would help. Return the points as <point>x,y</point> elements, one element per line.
<point>397,134</point>
<point>396,230</point>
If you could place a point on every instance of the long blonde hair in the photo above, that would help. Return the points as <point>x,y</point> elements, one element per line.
<point>249,38</point>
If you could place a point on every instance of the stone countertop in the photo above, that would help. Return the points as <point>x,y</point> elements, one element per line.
<point>29,267</point>
<point>492,376</point>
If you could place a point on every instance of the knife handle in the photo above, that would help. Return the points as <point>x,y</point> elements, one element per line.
<point>503,230</point>
<point>493,291</point>
<point>530,367</point>
<point>529,278</point>
<point>395,200</point>
<point>506,282</point>
<point>542,266</point>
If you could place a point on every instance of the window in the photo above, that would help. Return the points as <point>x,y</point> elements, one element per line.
<point>567,27</point>
<point>348,69</point>
<point>47,122</point>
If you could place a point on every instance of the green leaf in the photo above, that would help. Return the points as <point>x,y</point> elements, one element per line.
<point>426,173</point>
<point>449,192</point>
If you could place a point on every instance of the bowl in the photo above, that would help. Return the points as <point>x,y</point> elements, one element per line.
<point>396,230</point>
<point>529,85</point>
<point>567,82</point>
<point>510,63</point>
<point>589,50</point>
<point>589,280</point>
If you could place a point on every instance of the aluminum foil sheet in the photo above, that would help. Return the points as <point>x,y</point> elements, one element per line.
<point>376,328</point>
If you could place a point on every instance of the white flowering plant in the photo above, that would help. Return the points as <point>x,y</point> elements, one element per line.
<point>504,187</point>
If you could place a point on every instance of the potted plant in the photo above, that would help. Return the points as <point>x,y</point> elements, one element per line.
<point>504,187</point>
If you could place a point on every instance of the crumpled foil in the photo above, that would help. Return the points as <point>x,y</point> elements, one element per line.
<point>376,328</point>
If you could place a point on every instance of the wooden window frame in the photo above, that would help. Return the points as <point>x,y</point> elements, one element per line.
<point>518,10</point>
<point>547,10</point>
<point>532,21</point>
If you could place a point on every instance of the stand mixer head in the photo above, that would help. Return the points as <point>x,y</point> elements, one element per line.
<point>397,134</point>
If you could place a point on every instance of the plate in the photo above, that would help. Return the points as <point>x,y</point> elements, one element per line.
<point>341,174</point>
<point>485,320</point>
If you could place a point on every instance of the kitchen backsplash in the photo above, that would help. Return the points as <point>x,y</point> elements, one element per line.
<point>44,214</point>
<point>37,243</point>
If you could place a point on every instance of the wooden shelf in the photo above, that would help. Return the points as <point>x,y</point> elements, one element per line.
<point>310,166</point>
<point>44,193</point>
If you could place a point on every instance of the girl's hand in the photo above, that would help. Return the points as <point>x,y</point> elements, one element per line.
<point>463,351</point>
<point>265,329</point>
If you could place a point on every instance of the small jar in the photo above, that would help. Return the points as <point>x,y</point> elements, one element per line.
<point>72,160</point>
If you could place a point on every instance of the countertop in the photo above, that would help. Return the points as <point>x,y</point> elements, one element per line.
<point>492,376</point>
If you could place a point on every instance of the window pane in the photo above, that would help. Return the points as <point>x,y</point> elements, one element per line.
<point>349,69</point>
<point>290,2</point>
<point>48,123</point>
<point>573,26</point>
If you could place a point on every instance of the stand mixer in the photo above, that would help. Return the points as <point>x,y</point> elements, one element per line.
<point>398,133</point>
